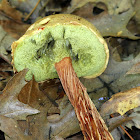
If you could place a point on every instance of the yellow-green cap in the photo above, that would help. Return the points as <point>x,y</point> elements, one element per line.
<point>52,38</point>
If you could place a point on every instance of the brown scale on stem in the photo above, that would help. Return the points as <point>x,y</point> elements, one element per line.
<point>91,123</point>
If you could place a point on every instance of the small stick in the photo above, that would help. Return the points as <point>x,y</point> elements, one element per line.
<point>27,17</point>
<point>91,123</point>
<point>124,130</point>
<point>126,133</point>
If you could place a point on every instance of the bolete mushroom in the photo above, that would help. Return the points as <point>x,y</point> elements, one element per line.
<point>68,47</point>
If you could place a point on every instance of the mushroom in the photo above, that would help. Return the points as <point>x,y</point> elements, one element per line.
<point>68,47</point>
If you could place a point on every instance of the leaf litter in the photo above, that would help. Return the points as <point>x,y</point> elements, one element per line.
<point>10,106</point>
<point>57,119</point>
<point>122,102</point>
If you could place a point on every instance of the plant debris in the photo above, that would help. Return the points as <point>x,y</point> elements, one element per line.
<point>31,110</point>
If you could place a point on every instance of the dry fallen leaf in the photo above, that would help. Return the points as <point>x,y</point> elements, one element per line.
<point>122,102</point>
<point>136,118</point>
<point>114,7</point>
<point>111,14</point>
<point>46,125</point>
<point>33,96</point>
<point>137,15</point>
<point>5,45</point>
<point>15,29</point>
<point>116,69</point>
<point>12,23</point>
<point>10,11</point>
<point>26,6</point>
<point>135,69</point>
<point>10,106</point>
<point>106,22</point>
<point>62,125</point>
<point>11,129</point>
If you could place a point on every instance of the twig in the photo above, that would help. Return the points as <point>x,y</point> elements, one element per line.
<point>124,130</point>
<point>126,133</point>
<point>27,17</point>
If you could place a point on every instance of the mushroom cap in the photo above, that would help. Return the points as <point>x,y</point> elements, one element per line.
<point>54,37</point>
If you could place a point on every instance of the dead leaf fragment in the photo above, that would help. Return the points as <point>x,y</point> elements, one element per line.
<point>10,106</point>
<point>136,118</point>
<point>15,29</point>
<point>115,14</point>
<point>11,129</point>
<point>105,22</point>
<point>33,96</point>
<point>10,11</point>
<point>12,20</point>
<point>114,7</point>
<point>135,69</point>
<point>63,128</point>
<point>122,102</point>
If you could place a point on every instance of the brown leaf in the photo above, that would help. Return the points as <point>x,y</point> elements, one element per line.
<point>113,7</point>
<point>5,66</point>
<point>77,4</point>
<point>10,106</point>
<point>11,129</point>
<point>63,125</point>
<point>15,29</point>
<point>135,69</point>
<point>105,22</point>
<point>40,124</point>
<point>5,43</point>
<point>13,24</point>
<point>116,69</point>
<point>31,95</point>
<point>136,118</point>
<point>10,11</point>
<point>122,102</point>
<point>109,18</point>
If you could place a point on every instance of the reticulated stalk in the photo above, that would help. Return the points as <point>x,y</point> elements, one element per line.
<point>91,123</point>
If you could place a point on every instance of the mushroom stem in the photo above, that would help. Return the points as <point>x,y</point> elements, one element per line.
<point>91,123</point>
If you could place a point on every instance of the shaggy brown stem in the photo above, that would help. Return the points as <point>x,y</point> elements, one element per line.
<point>91,123</point>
